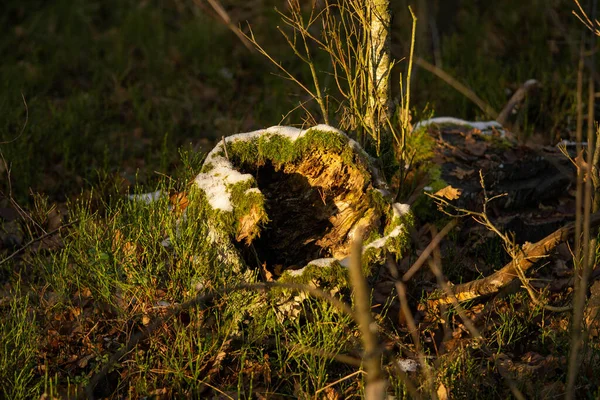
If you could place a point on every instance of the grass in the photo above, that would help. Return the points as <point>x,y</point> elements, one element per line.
<point>125,96</point>
<point>18,359</point>
<point>127,82</point>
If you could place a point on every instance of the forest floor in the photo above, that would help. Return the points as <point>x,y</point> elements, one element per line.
<point>103,99</point>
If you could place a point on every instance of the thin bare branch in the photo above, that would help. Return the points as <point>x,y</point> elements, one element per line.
<point>24,123</point>
<point>227,21</point>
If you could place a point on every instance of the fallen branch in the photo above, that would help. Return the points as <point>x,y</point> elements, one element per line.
<point>504,276</point>
<point>516,99</point>
<point>37,239</point>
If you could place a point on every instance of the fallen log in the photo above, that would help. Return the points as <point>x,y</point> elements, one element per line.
<point>507,274</point>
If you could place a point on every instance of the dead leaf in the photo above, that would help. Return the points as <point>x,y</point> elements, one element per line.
<point>478,148</point>
<point>592,311</point>
<point>442,392</point>
<point>462,173</point>
<point>449,193</point>
<point>249,225</point>
<point>179,202</point>
<point>581,164</point>
<point>475,147</point>
<point>330,394</point>
<point>160,393</point>
<point>266,274</point>
<point>83,361</point>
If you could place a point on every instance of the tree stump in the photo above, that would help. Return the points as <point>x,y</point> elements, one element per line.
<point>289,203</point>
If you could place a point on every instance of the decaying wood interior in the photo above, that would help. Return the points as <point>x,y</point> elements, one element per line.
<point>312,205</point>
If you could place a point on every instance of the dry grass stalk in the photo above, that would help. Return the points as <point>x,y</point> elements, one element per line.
<point>435,242</point>
<point>464,90</point>
<point>585,19</point>
<point>585,246</point>
<point>226,19</point>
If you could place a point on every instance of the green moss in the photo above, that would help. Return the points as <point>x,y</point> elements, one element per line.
<point>221,219</point>
<point>278,149</point>
<point>500,143</point>
<point>206,168</point>
<point>422,144</point>
<point>372,236</point>
<point>281,150</point>
<point>379,199</point>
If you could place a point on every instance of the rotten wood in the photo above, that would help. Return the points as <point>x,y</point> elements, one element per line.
<point>534,181</point>
<point>313,205</point>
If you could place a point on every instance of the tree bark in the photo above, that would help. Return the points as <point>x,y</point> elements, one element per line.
<point>380,104</point>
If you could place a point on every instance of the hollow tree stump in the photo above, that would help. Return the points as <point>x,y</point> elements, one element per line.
<point>289,203</point>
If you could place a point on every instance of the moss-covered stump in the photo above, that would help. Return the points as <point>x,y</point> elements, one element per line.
<point>289,202</point>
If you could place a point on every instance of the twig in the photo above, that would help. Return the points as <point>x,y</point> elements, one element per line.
<point>571,42</point>
<point>429,249</point>
<point>227,21</point>
<point>533,295</point>
<point>24,124</point>
<point>583,17</point>
<point>343,358</point>
<point>338,381</point>
<point>32,241</point>
<point>435,264</point>
<point>414,332</point>
<point>225,147</point>
<point>586,250</point>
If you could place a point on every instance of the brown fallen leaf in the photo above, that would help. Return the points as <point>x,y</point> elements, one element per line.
<point>266,274</point>
<point>581,165</point>
<point>478,148</point>
<point>179,202</point>
<point>473,146</point>
<point>442,392</point>
<point>462,173</point>
<point>449,193</point>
